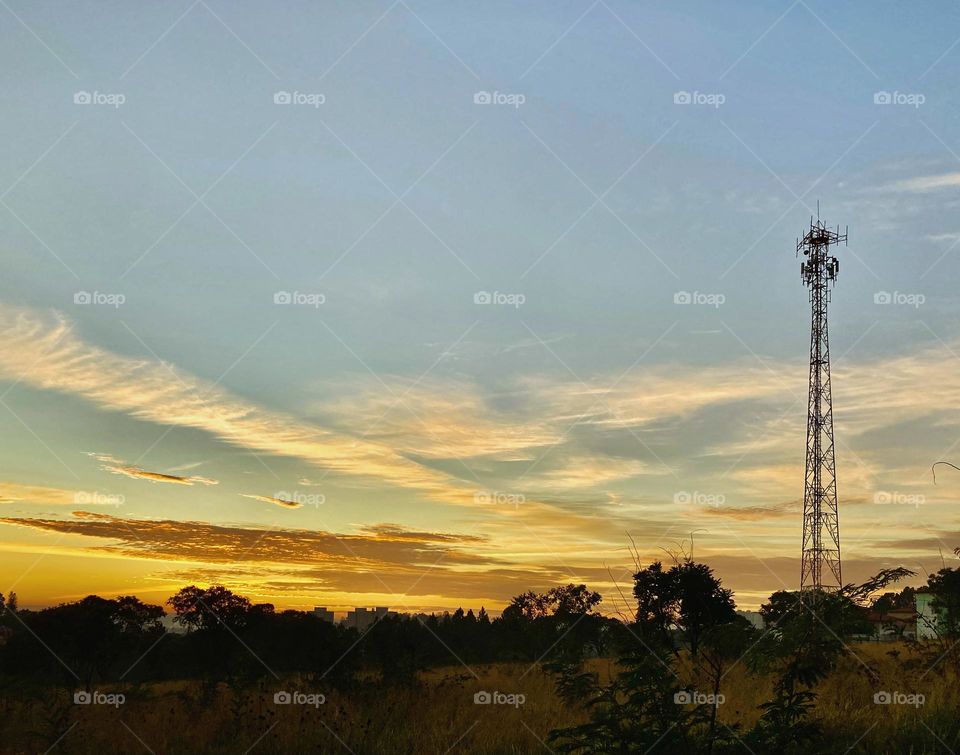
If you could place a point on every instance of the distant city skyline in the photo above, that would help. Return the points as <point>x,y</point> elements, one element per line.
<point>426,305</point>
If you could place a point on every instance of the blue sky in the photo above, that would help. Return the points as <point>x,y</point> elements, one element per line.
<point>586,200</point>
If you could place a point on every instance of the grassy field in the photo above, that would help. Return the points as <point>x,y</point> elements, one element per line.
<point>439,714</point>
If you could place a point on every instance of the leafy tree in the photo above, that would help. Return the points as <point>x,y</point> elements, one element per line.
<point>399,648</point>
<point>636,712</point>
<point>92,639</point>
<point>561,622</point>
<point>892,601</point>
<point>943,652</point>
<point>781,604</point>
<point>945,586</point>
<point>682,601</point>
<point>573,600</point>
<point>801,646</point>
<point>135,616</point>
<point>527,606</point>
<point>682,612</point>
<point>210,608</point>
<point>807,635</point>
<point>722,646</point>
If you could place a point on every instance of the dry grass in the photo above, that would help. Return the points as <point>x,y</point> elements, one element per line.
<point>845,704</point>
<point>433,717</point>
<point>440,714</point>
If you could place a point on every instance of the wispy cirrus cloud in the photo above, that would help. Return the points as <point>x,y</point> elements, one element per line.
<point>568,446</point>
<point>15,492</point>
<point>276,501</point>
<point>114,465</point>
<point>923,184</point>
<point>137,473</point>
<point>43,351</point>
<point>437,418</point>
<point>581,471</point>
<point>753,513</point>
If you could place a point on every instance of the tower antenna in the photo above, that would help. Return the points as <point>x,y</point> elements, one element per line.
<point>820,556</point>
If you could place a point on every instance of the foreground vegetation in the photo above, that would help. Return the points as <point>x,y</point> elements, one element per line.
<point>685,674</point>
<point>438,713</point>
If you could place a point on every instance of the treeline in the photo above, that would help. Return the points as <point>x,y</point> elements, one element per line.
<point>99,640</point>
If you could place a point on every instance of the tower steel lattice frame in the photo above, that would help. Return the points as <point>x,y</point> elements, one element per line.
<point>820,558</point>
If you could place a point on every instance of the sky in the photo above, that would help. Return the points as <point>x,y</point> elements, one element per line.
<point>427,304</point>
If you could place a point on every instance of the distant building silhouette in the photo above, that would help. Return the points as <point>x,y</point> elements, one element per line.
<point>895,624</point>
<point>364,618</point>
<point>323,614</point>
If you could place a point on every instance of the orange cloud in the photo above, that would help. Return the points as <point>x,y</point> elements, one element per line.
<point>141,474</point>
<point>382,558</point>
<point>14,492</point>
<point>277,501</point>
